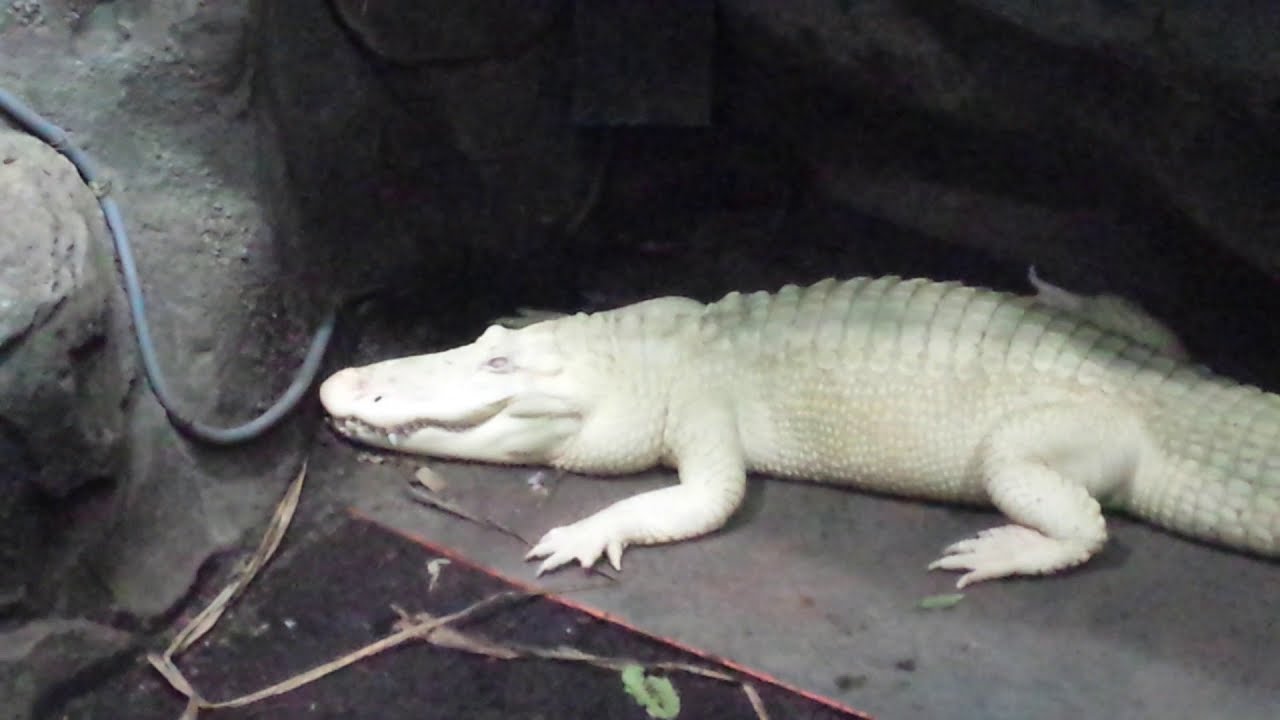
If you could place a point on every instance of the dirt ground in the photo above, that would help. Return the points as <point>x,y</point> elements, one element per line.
<point>335,589</point>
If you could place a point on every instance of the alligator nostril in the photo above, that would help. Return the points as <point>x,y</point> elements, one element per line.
<point>341,389</point>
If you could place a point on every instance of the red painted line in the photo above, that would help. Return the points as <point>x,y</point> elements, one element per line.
<point>759,675</point>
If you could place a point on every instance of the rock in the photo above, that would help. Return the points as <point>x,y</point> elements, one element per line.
<point>62,382</point>
<point>63,377</point>
<point>1158,110</point>
<point>435,30</point>
<point>470,97</point>
<point>42,656</point>
<point>157,93</point>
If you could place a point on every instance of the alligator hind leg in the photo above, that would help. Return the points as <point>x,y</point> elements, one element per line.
<point>1045,469</point>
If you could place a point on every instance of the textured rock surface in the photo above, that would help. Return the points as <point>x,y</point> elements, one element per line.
<point>62,384</point>
<point>417,33</point>
<point>65,368</point>
<point>157,93</point>
<point>444,150</point>
<point>1166,108</point>
<point>1119,147</point>
<point>41,657</point>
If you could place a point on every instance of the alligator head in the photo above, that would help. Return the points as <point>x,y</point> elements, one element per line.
<point>504,398</point>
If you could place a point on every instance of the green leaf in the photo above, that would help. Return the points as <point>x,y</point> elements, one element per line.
<point>941,602</point>
<point>655,694</point>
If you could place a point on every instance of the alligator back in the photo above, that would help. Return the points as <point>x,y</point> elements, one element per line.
<point>890,380</point>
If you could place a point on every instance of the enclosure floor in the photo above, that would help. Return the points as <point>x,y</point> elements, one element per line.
<point>820,588</point>
<point>341,584</point>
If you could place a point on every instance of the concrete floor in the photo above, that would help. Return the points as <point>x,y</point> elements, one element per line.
<point>820,587</point>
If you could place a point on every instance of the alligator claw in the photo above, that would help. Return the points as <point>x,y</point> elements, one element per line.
<point>583,541</point>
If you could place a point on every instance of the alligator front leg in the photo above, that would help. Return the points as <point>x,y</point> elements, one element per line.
<point>709,460</point>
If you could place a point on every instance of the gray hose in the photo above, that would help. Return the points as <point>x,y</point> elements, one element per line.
<point>58,140</point>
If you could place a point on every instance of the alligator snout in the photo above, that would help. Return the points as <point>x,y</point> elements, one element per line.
<point>341,391</point>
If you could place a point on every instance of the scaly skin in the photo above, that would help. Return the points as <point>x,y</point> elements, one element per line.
<point>909,387</point>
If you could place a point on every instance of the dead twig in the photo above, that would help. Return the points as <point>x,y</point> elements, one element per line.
<point>457,640</point>
<point>204,622</point>
<point>426,497</point>
<point>421,628</point>
<point>422,495</point>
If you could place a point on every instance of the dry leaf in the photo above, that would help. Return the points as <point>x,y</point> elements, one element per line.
<point>430,479</point>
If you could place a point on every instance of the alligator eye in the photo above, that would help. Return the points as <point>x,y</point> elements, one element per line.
<point>499,363</point>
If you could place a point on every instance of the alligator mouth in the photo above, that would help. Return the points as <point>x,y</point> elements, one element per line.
<point>355,427</point>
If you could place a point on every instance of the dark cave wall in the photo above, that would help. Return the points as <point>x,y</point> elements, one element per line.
<point>1118,148</point>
